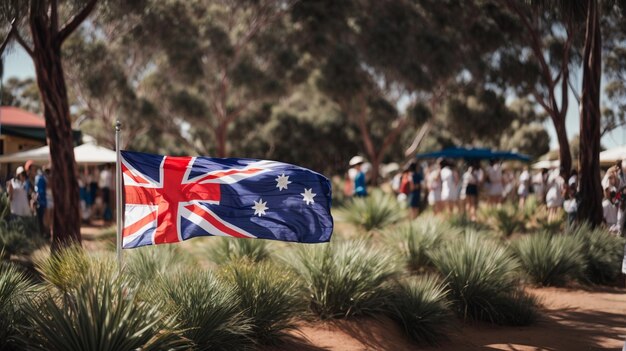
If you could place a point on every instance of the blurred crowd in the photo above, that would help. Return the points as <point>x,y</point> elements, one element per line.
<point>447,186</point>
<point>30,194</point>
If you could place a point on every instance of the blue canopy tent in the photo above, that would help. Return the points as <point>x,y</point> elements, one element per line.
<point>474,154</point>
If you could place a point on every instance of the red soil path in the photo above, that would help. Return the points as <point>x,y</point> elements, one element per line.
<point>592,319</point>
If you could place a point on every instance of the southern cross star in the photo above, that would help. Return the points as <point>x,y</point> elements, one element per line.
<point>282,181</point>
<point>308,196</point>
<point>260,207</point>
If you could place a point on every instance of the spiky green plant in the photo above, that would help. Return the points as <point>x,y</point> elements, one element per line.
<point>373,212</point>
<point>67,268</point>
<point>414,241</point>
<point>550,259</point>
<point>102,313</point>
<point>517,308</point>
<point>147,264</point>
<point>603,252</point>
<point>207,309</point>
<point>507,220</point>
<point>344,279</point>
<point>421,308</point>
<point>478,272</point>
<point>16,290</point>
<point>13,241</point>
<point>270,297</point>
<point>228,249</point>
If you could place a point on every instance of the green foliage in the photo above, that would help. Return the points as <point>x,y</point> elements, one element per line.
<point>5,206</point>
<point>376,211</point>
<point>344,279</point>
<point>603,252</point>
<point>18,237</point>
<point>102,312</point>
<point>550,259</point>
<point>226,250</point>
<point>70,267</point>
<point>270,297</point>
<point>16,290</point>
<point>416,240</point>
<point>421,307</point>
<point>207,309</point>
<point>480,275</point>
<point>151,262</point>
<point>506,219</point>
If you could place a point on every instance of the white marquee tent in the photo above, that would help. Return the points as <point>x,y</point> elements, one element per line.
<point>86,154</point>
<point>610,156</point>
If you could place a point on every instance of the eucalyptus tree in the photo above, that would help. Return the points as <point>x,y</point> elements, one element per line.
<point>41,27</point>
<point>544,74</point>
<point>223,59</point>
<point>22,93</point>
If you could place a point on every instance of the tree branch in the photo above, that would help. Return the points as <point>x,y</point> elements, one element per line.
<point>54,16</point>
<point>22,42</point>
<point>77,20</point>
<point>5,42</point>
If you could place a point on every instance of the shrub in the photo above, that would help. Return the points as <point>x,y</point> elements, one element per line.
<point>506,221</point>
<point>479,273</point>
<point>603,252</point>
<point>420,306</point>
<point>69,267</point>
<point>414,241</point>
<point>373,212</point>
<point>149,263</point>
<point>270,297</point>
<point>207,309</point>
<point>101,313</point>
<point>229,249</point>
<point>19,236</point>
<point>517,308</point>
<point>550,259</point>
<point>344,279</point>
<point>15,292</point>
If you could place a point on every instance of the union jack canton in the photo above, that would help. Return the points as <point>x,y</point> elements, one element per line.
<point>170,199</point>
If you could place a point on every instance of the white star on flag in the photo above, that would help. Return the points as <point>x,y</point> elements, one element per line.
<point>282,182</point>
<point>308,196</point>
<point>260,207</point>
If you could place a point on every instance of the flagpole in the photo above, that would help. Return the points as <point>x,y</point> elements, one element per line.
<point>118,193</point>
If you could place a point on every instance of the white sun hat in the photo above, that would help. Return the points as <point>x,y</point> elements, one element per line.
<point>356,160</point>
<point>19,170</point>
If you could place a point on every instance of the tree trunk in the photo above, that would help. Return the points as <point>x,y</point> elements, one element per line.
<point>565,155</point>
<point>220,135</point>
<point>589,159</point>
<point>51,82</point>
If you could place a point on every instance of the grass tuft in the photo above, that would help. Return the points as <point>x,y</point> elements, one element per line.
<point>228,249</point>
<point>550,259</point>
<point>373,212</point>
<point>270,298</point>
<point>345,279</point>
<point>421,308</point>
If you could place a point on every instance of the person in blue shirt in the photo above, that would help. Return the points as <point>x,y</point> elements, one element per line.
<point>360,186</point>
<point>41,183</point>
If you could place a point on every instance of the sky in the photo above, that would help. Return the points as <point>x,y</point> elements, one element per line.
<point>18,64</point>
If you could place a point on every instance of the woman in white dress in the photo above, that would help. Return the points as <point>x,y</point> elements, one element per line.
<point>18,196</point>
<point>449,186</point>
<point>433,182</point>
<point>554,195</point>
<point>496,187</point>
<point>523,188</point>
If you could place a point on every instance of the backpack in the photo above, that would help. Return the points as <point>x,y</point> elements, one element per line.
<point>405,184</point>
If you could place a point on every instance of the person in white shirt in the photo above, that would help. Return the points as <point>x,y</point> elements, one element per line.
<point>554,196</point>
<point>539,185</point>
<point>449,186</point>
<point>609,211</point>
<point>495,186</point>
<point>523,188</point>
<point>433,182</point>
<point>18,195</point>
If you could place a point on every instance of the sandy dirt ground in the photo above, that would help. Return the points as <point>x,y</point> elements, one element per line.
<point>572,319</point>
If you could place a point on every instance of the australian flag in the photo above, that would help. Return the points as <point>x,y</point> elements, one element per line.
<point>169,199</point>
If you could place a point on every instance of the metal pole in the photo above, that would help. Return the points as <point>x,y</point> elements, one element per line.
<point>118,193</point>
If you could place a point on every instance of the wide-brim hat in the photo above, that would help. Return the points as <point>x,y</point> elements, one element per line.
<point>356,160</point>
